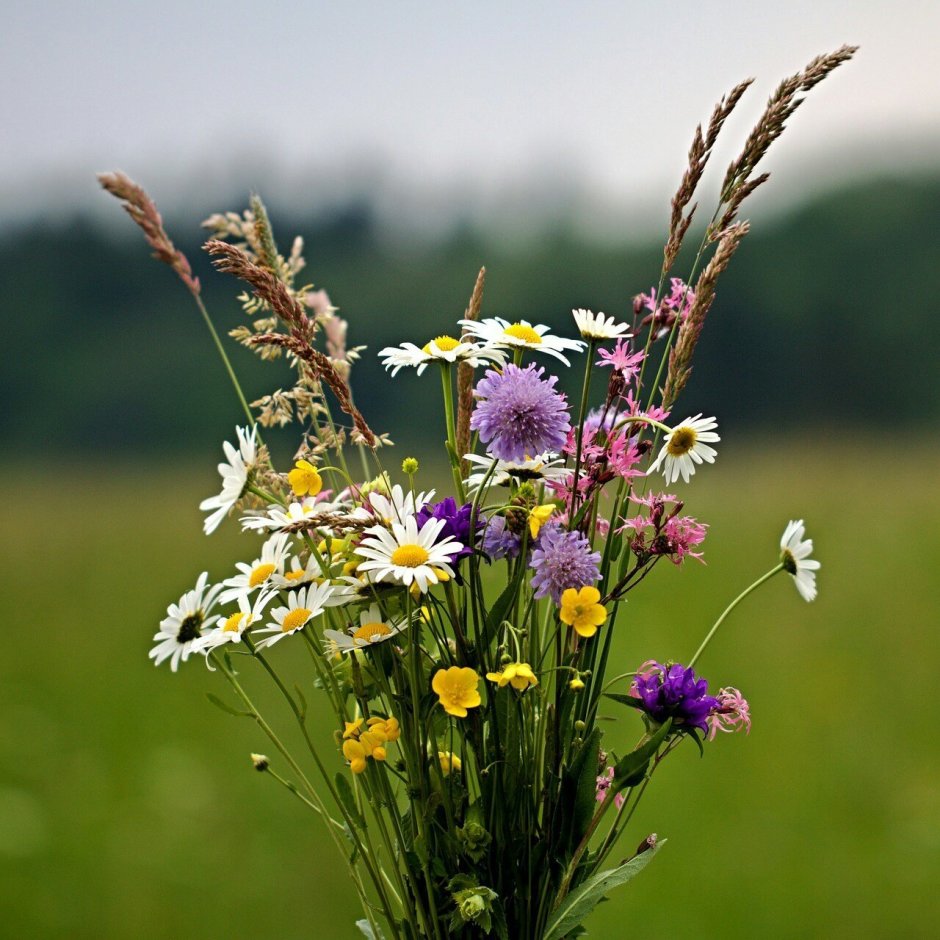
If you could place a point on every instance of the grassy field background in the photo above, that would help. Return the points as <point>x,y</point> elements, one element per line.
<point>128,806</point>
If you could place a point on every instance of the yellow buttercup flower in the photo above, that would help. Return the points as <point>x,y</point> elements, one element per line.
<point>580,609</point>
<point>519,675</point>
<point>449,762</point>
<point>456,688</point>
<point>355,753</point>
<point>305,479</point>
<point>387,728</point>
<point>352,729</point>
<point>576,684</point>
<point>538,516</point>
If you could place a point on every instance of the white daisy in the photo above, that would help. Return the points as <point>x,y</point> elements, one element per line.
<point>299,574</point>
<point>597,326</point>
<point>406,555</point>
<point>685,446</point>
<point>495,331</point>
<point>279,517</point>
<point>234,478</point>
<point>373,628</point>
<point>547,467</point>
<point>398,505</point>
<point>257,574</point>
<point>442,349</point>
<point>302,607</point>
<point>794,552</point>
<point>230,628</point>
<point>183,624</point>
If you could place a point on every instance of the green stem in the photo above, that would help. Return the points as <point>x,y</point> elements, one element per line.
<point>585,390</point>
<point>226,362</point>
<point>731,607</point>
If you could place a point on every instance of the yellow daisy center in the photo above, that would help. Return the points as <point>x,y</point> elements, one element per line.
<point>295,575</point>
<point>409,556</point>
<point>681,441</point>
<point>443,343</point>
<point>295,618</point>
<point>260,575</point>
<point>524,332</point>
<point>233,623</point>
<point>371,631</point>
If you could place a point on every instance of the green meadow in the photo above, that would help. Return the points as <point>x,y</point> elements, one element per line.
<point>129,807</point>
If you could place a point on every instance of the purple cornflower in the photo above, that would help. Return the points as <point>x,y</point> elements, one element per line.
<point>674,692</point>
<point>498,541</point>
<point>456,522</point>
<point>519,414</point>
<point>562,560</point>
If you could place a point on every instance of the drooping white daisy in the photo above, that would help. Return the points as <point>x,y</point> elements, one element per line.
<point>547,467</point>
<point>794,556</point>
<point>279,517</point>
<point>398,505</point>
<point>495,331</point>
<point>441,349</point>
<point>598,326</point>
<point>685,446</point>
<point>373,628</point>
<point>257,574</point>
<point>406,555</point>
<point>184,623</point>
<point>230,628</point>
<point>234,478</point>
<point>302,607</point>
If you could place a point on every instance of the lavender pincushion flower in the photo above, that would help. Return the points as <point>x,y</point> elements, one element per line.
<point>562,560</point>
<point>456,522</point>
<point>519,414</point>
<point>499,541</point>
<point>674,692</point>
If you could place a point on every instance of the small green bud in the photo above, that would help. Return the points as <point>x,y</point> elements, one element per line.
<point>579,726</point>
<point>409,466</point>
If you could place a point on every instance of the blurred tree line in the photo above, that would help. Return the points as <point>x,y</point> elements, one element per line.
<point>812,328</point>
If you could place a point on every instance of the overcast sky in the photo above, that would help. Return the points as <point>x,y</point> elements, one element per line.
<point>508,104</point>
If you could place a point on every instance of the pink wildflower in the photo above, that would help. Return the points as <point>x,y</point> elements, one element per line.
<point>681,535</point>
<point>664,312</point>
<point>732,714</point>
<point>604,781</point>
<point>621,359</point>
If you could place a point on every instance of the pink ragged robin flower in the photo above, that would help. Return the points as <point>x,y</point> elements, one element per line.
<point>731,714</point>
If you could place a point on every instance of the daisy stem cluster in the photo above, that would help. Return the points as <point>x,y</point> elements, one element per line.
<point>472,779</point>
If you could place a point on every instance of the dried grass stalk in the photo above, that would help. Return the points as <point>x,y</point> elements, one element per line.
<point>680,358</point>
<point>142,209</point>
<point>267,287</point>
<point>738,184</point>
<point>465,375</point>
<point>699,152</point>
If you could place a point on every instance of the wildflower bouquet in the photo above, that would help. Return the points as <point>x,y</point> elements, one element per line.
<point>463,639</point>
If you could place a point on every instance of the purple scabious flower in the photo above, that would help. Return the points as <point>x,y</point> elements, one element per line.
<point>519,414</point>
<point>674,692</point>
<point>562,560</point>
<point>456,522</point>
<point>498,541</point>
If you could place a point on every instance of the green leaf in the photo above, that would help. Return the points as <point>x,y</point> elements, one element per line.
<point>501,608</point>
<point>228,709</point>
<point>583,899</point>
<point>632,769</point>
<point>629,700</point>
<point>345,793</point>
<point>584,774</point>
